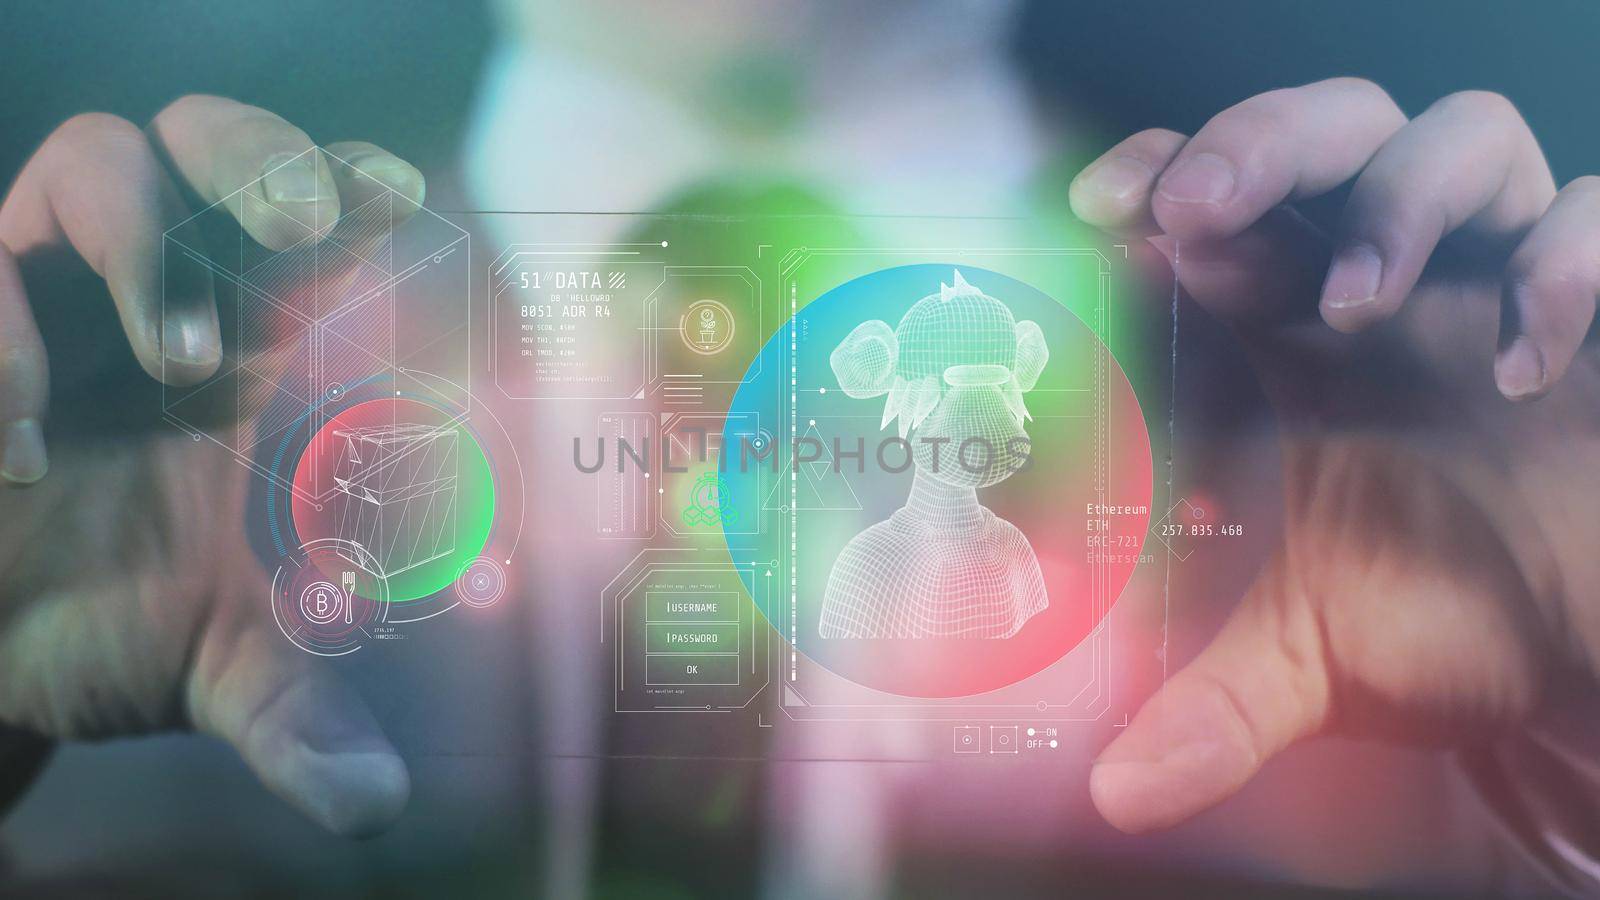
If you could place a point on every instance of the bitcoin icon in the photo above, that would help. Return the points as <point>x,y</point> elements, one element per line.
<point>321,603</point>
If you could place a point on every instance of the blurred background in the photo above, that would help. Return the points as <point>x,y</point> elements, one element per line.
<point>892,107</point>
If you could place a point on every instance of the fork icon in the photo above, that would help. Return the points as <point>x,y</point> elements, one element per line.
<point>347,581</point>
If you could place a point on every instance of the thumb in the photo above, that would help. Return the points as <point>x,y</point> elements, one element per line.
<point>305,733</point>
<point>1261,684</point>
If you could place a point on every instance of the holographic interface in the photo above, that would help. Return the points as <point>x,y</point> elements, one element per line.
<point>819,476</point>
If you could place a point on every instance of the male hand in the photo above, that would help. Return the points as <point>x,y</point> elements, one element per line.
<point>129,599</point>
<point>1440,423</point>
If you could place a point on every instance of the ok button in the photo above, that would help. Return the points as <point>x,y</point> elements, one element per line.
<point>691,669</point>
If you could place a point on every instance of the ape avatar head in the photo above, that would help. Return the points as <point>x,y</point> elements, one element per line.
<point>955,369</point>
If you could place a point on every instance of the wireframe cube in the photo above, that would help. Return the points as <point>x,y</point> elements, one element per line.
<point>397,487</point>
<point>379,294</point>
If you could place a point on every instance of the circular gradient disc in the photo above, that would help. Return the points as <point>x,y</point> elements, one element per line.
<point>1085,558</point>
<point>407,482</point>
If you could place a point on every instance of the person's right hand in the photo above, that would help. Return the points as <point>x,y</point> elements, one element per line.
<point>129,599</point>
<point>1440,422</point>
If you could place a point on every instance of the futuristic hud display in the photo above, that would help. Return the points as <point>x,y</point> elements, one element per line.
<point>843,474</point>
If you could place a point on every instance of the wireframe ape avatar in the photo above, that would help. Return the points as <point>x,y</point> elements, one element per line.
<point>943,566</point>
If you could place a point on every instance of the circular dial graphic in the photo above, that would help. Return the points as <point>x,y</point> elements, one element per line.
<point>325,599</point>
<point>481,583</point>
<point>707,327</point>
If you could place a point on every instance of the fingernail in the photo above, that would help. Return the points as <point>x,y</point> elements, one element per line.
<point>189,341</point>
<point>391,171</point>
<point>1353,278</point>
<point>1202,178</point>
<point>1117,178</point>
<point>24,460</point>
<point>1519,371</point>
<point>291,178</point>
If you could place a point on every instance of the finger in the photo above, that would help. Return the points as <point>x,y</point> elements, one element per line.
<point>306,734</point>
<point>1260,275</point>
<point>1551,285</point>
<point>267,172</point>
<point>378,192</point>
<point>24,381</point>
<point>364,172</point>
<point>1113,193</point>
<point>96,183</point>
<point>1264,283</point>
<point>1275,147</point>
<point>1468,160</point>
<point>1259,686</point>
